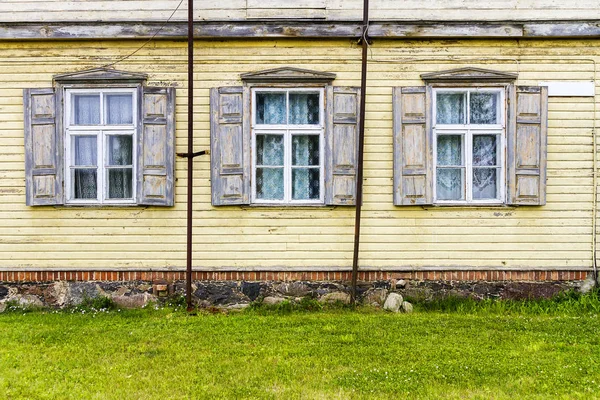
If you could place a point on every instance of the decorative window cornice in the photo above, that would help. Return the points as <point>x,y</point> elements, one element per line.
<point>100,75</point>
<point>288,75</point>
<point>469,74</point>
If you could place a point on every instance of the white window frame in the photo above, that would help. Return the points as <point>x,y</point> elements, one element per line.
<point>467,131</point>
<point>288,131</point>
<point>102,132</point>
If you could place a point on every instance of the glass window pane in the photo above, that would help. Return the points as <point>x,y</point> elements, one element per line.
<point>450,108</point>
<point>270,108</point>
<point>84,150</point>
<point>269,183</point>
<point>120,150</point>
<point>485,183</point>
<point>304,108</point>
<point>306,184</point>
<point>449,150</point>
<point>269,150</point>
<point>120,183</point>
<point>449,185</point>
<point>484,108</point>
<point>119,109</point>
<point>86,109</point>
<point>84,184</point>
<point>484,150</point>
<point>305,150</point>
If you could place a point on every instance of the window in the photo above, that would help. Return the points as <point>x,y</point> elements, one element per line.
<point>469,146</point>
<point>98,138</point>
<point>99,146</point>
<point>287,145</point>
<point>286,138</point>
<point>470,137</point>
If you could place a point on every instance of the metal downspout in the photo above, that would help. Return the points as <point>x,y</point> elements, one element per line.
<point>190,158</point>
<point>361,143</point>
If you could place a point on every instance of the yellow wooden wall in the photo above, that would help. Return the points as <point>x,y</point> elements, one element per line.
<point>558,235</point>
<point>333,10</point>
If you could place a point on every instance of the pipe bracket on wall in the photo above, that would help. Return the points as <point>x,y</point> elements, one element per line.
<point>196,154</point>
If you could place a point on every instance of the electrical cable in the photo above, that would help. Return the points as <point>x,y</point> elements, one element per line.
<point>147,41</point>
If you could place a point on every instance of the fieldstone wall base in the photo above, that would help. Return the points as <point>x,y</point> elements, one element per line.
<point>239,294</point>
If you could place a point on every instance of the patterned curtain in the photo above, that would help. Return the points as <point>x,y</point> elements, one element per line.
<point>119,109</point>
<point>87,109</point>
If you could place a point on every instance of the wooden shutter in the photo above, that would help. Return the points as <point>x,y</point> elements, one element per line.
<point>341,145</point>
<point>413,171</point>
<point>230,145</point>
<point>156,146</point>
<point>43,148</point>
<point>527,138</point>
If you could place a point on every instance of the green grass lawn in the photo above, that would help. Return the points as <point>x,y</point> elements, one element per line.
<point>327,354</point>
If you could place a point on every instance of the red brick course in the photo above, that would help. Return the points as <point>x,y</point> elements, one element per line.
<point>368,276</point>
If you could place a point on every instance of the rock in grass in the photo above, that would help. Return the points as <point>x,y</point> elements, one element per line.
<point>393,302</point>
<point>273,300</point>
<point>588,284</point>
<point>407,307</point>
<point>134,301</point>
<point>2,307</point>
<point>28,300</point>
<point>375,297</point>
<point>335,297</point>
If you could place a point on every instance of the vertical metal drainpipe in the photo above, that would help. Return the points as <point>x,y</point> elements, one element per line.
<point>361,144</point>
<point>190,158</point>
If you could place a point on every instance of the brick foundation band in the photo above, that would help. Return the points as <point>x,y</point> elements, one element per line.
<point>368,276</point>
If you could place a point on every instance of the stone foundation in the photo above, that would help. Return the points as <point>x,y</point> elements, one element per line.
<point>240,293</point>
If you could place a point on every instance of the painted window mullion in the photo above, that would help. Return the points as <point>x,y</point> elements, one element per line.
<point>469,165</point>
<point>101,184</point>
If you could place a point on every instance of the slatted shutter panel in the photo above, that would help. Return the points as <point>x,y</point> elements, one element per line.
<point>341,145</point>
<point>156,146</point>
<point>43,148</point>
<point>413,171</point>
<point>527,140</point>
<point>230,145</point>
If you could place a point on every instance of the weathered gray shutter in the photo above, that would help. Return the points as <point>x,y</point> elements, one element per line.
<point>156,146</point>
<point>341,145</point>
<point>413,164</point>
<point>230,145</point>
<point>527,139</point>
<point>43,148</point>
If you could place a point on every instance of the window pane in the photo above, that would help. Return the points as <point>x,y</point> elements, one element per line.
<point>120,183</point>
<point>120,150</point>
<point>269,150</point>
<point>450,108</point>
<point>119,109</point>
<point>84,150</point>
<point>449,150</point>
<point>86,109</point>
<point>484,150</point>
<point>84,184</point>
<point>484,183</point>
<point>306,184</point>
<point>484,108</point>
<point>449,184</point>
<point>269,183</point>
<point>270,108</point>
<point>305,150</point>
<point>304,108</point>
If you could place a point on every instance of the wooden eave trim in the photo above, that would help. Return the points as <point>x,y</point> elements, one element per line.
<point>300,29</point>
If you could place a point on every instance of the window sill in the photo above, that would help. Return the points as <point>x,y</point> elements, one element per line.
<point>100,206</point>
<point>289,206</point>
<point>480,206</point>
